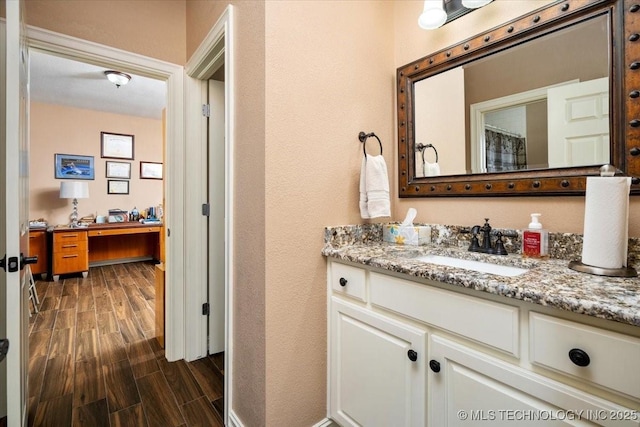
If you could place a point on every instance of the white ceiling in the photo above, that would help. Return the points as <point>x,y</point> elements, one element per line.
<point>61,81</point>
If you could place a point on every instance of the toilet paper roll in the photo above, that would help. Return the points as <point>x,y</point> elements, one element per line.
<point>606,222</point>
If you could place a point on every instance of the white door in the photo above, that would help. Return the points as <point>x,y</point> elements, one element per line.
<point>216,217</point>
<point>471,388</point>
<point>14,223</point>
<point>578,124</point>
<point>377,369</point>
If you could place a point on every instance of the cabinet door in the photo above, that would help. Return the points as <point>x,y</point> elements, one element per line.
<point>472,388</point>
<point>373,381</point>
<point>38,247</point>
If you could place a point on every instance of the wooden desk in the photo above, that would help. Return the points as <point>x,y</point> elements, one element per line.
<point>103,244</point>
<point>123,242</point>
<point>38,246</point>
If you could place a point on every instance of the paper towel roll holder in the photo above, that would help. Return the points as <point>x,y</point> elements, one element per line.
<point>606,170</point>
<point>598,271</point>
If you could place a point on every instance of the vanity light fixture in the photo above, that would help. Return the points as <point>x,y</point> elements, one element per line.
<point>117,78</point>
<point>433,15</point>
<point>474,4</point>
<point>436,13</point>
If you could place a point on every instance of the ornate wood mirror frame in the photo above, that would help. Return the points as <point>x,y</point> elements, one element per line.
<point>624,18</point>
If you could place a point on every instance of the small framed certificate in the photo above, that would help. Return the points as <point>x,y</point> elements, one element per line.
<point>116,145</point>
<point>117,186</point>
<point>118,170</point>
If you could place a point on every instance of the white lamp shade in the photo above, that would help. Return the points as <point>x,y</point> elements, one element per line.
<point>433,15</point>
<point>74,190</point>
<point>474,4</point>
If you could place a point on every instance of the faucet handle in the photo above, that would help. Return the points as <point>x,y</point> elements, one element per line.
<point>499,248</point>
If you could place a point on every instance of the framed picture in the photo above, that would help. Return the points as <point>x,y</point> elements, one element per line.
<point>118,170</point>
<point>71,166</point>
<point>150,170</point>
<point>117,186</point>
<point>116,146</point>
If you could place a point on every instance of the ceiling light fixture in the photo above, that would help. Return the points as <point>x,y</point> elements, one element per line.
<point>117,78</point>
<point>433,15</point>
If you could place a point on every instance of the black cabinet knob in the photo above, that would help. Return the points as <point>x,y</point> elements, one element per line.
<point>634,94</point>
<point>343,281</point>
<point>434,365</point>
<point>634,151</point>
<point>634,123</point>
<point>412,355</point>
<point>579,357</point>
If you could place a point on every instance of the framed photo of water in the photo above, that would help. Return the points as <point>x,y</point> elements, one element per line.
<point>72,166</point>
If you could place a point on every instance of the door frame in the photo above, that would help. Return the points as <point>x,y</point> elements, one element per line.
<point>97,54</point>
<point>216,48</point>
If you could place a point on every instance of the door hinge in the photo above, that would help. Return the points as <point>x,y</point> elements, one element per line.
<point>205,309</point>
<point>206,110</point>
<point>10,265</point>
<point>206,209</point>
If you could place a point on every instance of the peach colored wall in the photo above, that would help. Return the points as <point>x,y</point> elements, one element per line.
<point>154,28</point>
<point>65,130</point>
<point>329,71</point>
<point>561,214</point>
<point>249,366</point>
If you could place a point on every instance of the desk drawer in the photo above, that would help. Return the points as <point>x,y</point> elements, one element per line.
<point>483,321</point>
<point>70,261</point>
<point>69,236</point>
<point>614,359</point>
<point>121,231</point>
<point>348,280</point>
<point>70,246</point>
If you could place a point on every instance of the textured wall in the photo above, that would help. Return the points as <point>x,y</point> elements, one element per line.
<point>154,28</point>
<point>65,130</point>
<point>329,73</point>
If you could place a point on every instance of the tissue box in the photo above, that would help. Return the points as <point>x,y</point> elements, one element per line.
<point>406,235</point>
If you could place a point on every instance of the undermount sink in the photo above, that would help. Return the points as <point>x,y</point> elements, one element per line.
<point>481,267</point>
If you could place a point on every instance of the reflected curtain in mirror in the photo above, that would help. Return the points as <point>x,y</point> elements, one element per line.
<point>505,151</point>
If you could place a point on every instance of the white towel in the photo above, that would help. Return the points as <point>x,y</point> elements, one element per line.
<point>374,188</point>
<point>431,169</point>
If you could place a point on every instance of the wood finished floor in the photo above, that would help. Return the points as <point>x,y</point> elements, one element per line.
<point>94,361</point>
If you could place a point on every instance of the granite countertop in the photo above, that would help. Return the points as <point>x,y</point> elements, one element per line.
<point>548,282</point>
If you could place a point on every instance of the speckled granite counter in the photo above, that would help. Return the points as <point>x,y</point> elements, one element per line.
<point>548,282</point>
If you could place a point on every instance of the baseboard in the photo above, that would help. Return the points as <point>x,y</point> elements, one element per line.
<point>234,421</point>
<point>325,423</point>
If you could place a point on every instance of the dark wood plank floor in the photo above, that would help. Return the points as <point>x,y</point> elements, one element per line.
<point>94,360</point>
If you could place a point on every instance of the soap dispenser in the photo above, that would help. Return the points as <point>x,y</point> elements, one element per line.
<point>535,239</point>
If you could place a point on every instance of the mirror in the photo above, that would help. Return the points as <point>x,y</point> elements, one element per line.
<point>526,108</point>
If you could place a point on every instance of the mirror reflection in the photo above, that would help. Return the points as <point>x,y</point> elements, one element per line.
<point>541,104</point>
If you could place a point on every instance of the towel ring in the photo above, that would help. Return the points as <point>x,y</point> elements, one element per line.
<point>363,139</point>
<point>423,148</point>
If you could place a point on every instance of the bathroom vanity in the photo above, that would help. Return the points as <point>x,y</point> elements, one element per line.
<point>411,343</point>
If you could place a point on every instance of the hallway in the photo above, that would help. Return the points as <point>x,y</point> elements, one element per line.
<point>94,361</point>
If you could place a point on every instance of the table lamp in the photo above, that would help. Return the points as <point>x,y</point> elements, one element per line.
<point>74,190</point>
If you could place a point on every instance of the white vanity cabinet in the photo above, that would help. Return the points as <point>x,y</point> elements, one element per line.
<point>468,387</point>
<point>477,360</point>
<point>378,370</point>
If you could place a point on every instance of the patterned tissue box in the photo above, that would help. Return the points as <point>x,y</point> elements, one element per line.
<point>406,235</point>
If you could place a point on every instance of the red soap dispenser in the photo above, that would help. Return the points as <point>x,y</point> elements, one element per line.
<point>535,239</point>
